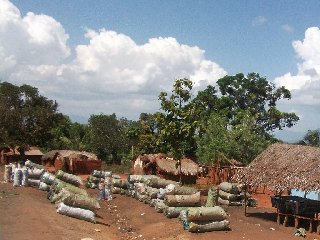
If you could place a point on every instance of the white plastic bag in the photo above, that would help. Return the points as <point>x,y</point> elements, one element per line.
<point>17,178</point>
<point>79,213</point>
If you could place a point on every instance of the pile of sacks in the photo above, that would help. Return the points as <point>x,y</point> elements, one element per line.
<point>94,178</point>
<point>29,174</point>
<point>204,219</point>
<point>174,201</point>
<point>232,194</point>
<point>70,199</point>
<point>63,189</point>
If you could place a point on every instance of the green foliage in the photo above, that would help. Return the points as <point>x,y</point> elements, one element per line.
<point>26,117</point>
<point>107,137</point>
<point>247,141</point>
<point>312,138</point>
<point>215,140</point>
<point>177,123</point>
<point>146,134</point>
<point>259,97</point>
<point>68,135</point>
<point>240,141</point>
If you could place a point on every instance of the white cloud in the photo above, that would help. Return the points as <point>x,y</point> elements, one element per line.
<point>287,28</point>
<point>258,21</point>
<point>112,73</point>
<point>305,85</point>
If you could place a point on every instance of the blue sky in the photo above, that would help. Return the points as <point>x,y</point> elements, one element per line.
<point>116,56</point>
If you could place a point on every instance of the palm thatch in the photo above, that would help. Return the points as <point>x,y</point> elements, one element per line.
<point>54,154</point>
<point>168,165</point>
<point>283,166</point>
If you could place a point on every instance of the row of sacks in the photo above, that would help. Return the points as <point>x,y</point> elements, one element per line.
<point>230,194</point>
<point>96,176</point>
<point>29,174</point>
<point>64,189</point>
<point>173,200</point>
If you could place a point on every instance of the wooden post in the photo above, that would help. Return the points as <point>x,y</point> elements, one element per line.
<point>296,219</point>
<point>310,225</point>
<point>245,200</point>
<point>285,222</point>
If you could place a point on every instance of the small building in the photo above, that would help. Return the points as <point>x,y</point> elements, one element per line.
<point>75,162</point>
<point>166,167</point>
<point>9,155</point>
<point>284,168</point>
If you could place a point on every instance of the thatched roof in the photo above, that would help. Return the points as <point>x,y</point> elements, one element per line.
<point>168,165</point>
<point>31,151</point>
<point>284,166</point>
<point>51,155</point>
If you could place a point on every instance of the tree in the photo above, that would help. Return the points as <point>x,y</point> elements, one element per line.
<point>106,136</point>
<point>222,140</point>
<point>177,124</point>
<point>143,134</point>
<point>247,141</point>
<point>69,135</point>
<point>259,97</point>
<point>26,117</point>
<point>215,140</point>
<point>312,138</point>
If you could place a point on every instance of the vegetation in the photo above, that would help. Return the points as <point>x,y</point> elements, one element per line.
<point>236,120</point>
<point>26,117</point>
<point>312,138</point>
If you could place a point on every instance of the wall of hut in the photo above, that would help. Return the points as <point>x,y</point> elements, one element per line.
<point>214,175</point>
<point>7,156</point>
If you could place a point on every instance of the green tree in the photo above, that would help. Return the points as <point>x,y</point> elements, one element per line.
<point>215,140</point>
<point>106,137</point>
<point>177,124</point>
<point>311,138</point>
<point>259,97</point>
<point>247,141</point>
<point>144,134</point>
<point>26,117</point>
<point>221,140</point>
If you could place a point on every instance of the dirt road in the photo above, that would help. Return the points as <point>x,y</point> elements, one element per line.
<point>25,213</point>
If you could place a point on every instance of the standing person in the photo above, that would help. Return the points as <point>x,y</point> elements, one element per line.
<point>108,183</point>
<point>101,188</point>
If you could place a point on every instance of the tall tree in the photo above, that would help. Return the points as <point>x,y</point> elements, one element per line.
<point>26,117</point>
<point>177,124</point>
<point>143,134</point>
<point>106,136</point>
<point>240,141</point>
<point>259,97</point>
<point>215,140</point>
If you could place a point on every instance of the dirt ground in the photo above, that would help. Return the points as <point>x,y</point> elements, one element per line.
<point>25,213</point>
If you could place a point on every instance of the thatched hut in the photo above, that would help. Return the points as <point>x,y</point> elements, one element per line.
<point>283,167</point>
<point>222,171</point>
<point>166,167</point>
<point>75,162</point>
<point>9,155</point>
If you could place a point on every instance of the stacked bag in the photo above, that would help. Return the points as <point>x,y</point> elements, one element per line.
<point>204,219</point>
<point>70,199</point>
<point>231,194</point>
<point>93,179</point>
<point>174,201</point>
<point>63,189</point>
<point>180,198</point>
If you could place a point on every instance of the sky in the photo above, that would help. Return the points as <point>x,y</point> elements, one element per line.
<point>116,56</point>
